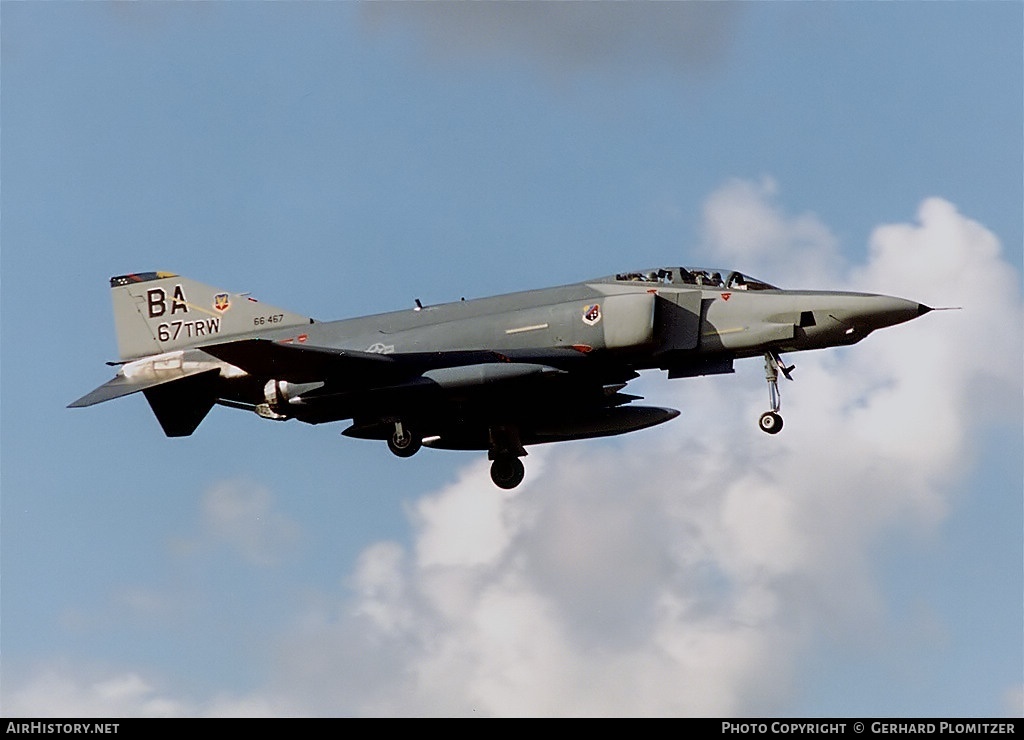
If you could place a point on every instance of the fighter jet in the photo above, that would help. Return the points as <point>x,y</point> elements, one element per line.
<point>496,374</point>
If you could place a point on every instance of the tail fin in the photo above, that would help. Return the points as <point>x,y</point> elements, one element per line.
<point>156,312</point>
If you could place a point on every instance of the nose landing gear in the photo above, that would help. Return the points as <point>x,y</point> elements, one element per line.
<point>771,421</point>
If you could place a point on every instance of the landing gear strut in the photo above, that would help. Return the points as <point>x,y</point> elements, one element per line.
<point>771,421</point>
<point>404,442</point>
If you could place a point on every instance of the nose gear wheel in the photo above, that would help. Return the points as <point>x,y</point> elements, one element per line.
<point>770,422</point>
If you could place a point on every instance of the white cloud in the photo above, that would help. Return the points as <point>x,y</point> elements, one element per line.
<point>1013,701</point>
<point>463,528</point>
<point>59,692</point>
<point>65,691</point>
<point>745,229</point>
<point>684,570</point>
<point>241,515</point>
<point>975,353</point>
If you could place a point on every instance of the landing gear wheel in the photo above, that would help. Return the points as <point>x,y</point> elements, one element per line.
<point>404,443</point>
<point>507,472</point>
<point>770,422</point>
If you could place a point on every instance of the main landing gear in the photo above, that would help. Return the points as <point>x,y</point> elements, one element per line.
<point>403,442</point>
<point>771,421</point>
<point>505,449</point>
<point>507,470</point>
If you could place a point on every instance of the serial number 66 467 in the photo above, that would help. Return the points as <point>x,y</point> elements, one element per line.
<point>263,320</point>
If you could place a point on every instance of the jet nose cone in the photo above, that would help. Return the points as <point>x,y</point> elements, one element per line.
<point>878,311</point>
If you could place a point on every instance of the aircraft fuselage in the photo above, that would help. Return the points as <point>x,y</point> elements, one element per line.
<point>493,373</point>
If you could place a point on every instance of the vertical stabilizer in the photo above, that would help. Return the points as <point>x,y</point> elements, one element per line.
<point>157,312</point>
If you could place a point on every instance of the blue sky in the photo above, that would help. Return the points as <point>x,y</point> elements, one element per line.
<point>340,159</point>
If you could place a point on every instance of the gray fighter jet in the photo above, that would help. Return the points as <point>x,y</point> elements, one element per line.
<point>495,374</point>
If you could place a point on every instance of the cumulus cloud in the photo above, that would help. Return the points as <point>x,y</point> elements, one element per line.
<point>63,691</point>
<point>688,569</point>
<point>56,691</point>
<point>240,515</point>
<point>744,226</point>
<point>947,259</point>
<point>1013,700</point>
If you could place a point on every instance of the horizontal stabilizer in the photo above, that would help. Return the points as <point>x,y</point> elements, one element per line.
<point>122,385</point>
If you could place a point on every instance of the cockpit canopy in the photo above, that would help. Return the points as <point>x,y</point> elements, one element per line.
<point>696,276</point>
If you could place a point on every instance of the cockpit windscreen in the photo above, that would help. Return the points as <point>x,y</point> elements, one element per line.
<point>701,277</point>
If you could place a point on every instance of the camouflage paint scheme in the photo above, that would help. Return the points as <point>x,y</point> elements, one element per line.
<point>493,374</point>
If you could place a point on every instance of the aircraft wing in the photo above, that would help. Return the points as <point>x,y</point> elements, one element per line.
<point>299,363</point>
